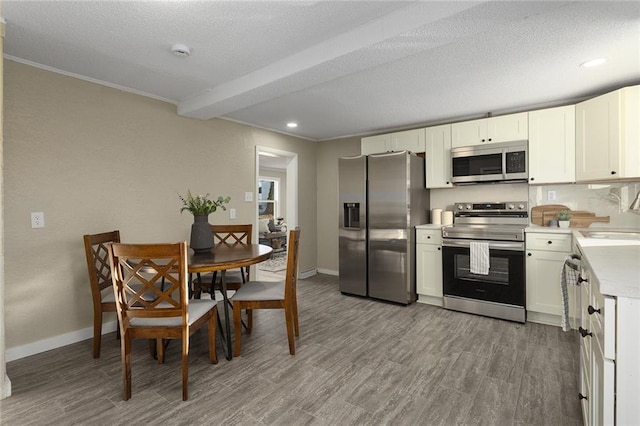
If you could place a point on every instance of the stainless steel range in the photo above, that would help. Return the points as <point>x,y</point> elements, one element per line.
<point>483,259</point>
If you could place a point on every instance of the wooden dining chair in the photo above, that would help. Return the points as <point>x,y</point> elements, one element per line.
<point>230,235</point>
<point>95,247</point>
<point>271,295</point>
<point>168,315</point>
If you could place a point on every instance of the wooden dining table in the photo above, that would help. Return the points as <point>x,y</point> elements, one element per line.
<point>221,258</point>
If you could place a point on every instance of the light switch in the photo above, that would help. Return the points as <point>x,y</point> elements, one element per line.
<point>232,213</point>
<point>248,197</point>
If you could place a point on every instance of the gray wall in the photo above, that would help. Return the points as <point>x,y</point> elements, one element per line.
<point>94,159</point>
<point>327,161</point>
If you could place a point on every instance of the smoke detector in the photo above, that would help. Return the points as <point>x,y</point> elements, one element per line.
<point>181,50</point>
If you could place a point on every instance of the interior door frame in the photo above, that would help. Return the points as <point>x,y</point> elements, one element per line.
<point>291,207</point>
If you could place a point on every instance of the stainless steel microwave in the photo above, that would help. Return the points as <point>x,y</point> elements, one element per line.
<point>495,162</point>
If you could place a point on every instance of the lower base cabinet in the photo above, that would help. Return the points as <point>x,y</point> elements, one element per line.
<point>609,360</point>
<point>546,253</point>
<point>429,266</point>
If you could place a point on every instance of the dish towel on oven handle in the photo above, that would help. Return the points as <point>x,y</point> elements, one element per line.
<point>569,276</point>
<point>479,258</point>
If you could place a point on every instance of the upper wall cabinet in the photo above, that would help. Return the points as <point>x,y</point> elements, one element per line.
<point>608,136</point>
<point>552,145</point>
<point>504,128</point>
<point>409,140</point>
<point>438,156</point>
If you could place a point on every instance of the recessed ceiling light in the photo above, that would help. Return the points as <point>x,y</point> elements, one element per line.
<point>593,63</point>
<point>292,125</point>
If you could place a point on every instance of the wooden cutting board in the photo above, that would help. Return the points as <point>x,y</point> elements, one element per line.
<point>541,215</point>
<point>553,215</point>
<point>537,213</point>
<point>586,221</point>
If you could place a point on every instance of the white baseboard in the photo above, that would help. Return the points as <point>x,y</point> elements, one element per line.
<point>308,273</point>
<point>327,271</point>
<point>542,318</point>
<point>430,300</point>
<point>6,392</point>
<point>44,345</point>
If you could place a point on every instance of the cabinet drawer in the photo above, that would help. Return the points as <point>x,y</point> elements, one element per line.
<point>549,242</point>
<point>429,236</point>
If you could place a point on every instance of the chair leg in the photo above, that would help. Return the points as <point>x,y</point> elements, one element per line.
<point>125,348</point>
<point>237,328</point>
<point>249,320</point>
<point>288,317</point>
<point>185,365</point>
<point>294,305</point>
<point>212,336</point>
<point>97,333</point>
<point>160,350</point>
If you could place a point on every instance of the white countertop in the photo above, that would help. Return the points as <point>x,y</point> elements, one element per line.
<point>430,226</point>
<point>616,264</point>
<point>547,229</point>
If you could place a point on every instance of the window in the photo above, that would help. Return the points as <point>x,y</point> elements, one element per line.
<point>268,197</point>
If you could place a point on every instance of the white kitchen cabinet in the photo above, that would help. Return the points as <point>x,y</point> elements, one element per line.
<point>609,347</point>
<point>375,144</point>
<point>552,145</point>
<point>546,253</point>
<point>409,140</point>
<point>503,128</point>
<point>429,266</point>
<point>608,136</point>
<point>438,156</point>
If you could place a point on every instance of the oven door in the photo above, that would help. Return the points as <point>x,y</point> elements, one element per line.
<point>505,282</point>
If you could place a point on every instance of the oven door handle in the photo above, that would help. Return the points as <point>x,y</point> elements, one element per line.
<point>493,245</point>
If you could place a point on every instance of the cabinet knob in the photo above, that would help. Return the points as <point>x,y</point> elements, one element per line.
<point>439,248</point>
<point>584,332</point>
<point>549,242</point>
<point>428,237</point>
<point>532,179</point>
<point>447,182</point>
<point>489,139</point>
<point>582,280</point>
<point>613,172</point>
<point>482,140</point>
<point>591,310</point>
<point>529,254</point>
<point>581,397</point>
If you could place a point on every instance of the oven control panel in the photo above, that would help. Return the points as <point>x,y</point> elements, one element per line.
<point>504,206</point>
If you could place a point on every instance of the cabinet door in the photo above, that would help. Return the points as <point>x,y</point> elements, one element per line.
<point>429,269</point>
<point>513,127</point>
<point>543,281</point>
<point>438,156</point>
<point>375,144</point>
<point>597,138</point>
<point>410,140</point>
<point>552,145</point>
<point>469,133</point>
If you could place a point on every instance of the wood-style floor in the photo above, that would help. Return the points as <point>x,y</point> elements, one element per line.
<point>357,361</point>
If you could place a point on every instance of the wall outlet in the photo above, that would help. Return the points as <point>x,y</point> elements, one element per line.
<point>232,213</point>
<point>248,197</point>
<point>551,195</point>
<point>37,219</point>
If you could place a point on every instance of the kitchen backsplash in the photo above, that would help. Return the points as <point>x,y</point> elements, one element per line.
<point>603,199</point>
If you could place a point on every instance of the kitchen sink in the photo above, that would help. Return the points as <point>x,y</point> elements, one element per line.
<point>612,235</point>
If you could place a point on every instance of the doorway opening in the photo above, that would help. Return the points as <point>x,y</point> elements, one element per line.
<point>276,207</point>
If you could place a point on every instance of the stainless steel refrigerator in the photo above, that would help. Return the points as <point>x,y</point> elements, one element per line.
<point>382,199</point>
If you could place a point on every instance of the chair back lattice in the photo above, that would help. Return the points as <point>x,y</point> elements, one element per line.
<point>232,234</point>
<point>291,279</point>
<point>150,280</point>
<point>95,247</point>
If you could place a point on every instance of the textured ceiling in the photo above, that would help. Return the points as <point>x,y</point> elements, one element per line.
<point>337,68</point>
